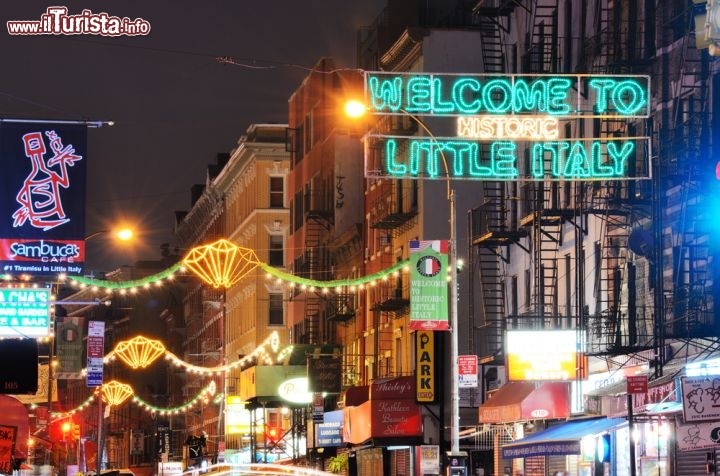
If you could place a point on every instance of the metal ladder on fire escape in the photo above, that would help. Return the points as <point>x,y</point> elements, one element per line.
<point>547,218</point>
<point>690,127</point>
<point>489,221</point>
<point>317,266</point>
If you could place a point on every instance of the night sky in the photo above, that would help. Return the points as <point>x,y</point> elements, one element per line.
<point>175,106</point>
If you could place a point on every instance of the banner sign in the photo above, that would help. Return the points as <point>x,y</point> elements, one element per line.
<point>24,312</point>
<point>42,198</point>
<point>95,353</point>
<point>429,285</point>
<point>507,127</point>
<point>69,339</point>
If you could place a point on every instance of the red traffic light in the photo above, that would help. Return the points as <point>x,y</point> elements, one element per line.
<point>272,434</point>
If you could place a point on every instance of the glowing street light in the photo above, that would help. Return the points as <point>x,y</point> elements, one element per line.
<point>356,109</point>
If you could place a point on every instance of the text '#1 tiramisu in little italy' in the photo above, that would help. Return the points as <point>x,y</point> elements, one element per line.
<point>56,21</point>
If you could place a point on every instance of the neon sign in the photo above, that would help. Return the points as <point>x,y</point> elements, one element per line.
<point>556,95</point>
<point>580,159</point>
<point>507,127</point>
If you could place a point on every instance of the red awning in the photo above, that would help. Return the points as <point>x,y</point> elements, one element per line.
<point>516,401</point>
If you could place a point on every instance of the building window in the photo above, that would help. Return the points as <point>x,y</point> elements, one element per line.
<point>277,192</point>
<point>276,257</point>
<point>275,317</point>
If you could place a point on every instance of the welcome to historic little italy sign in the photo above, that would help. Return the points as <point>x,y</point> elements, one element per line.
<point>509,127</point>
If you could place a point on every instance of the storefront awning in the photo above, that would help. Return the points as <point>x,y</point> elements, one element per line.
<point>562,439</point>
<point>517,401</point>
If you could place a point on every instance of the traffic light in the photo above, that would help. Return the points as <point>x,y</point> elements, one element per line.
<point>272,435</point>
<point>66,427</point>
<point>76,432</point>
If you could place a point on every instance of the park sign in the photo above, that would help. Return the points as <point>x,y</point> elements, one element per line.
<point>508,127</point>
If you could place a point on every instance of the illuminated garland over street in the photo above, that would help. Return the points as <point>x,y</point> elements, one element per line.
<point>203,394</point>
<point>223,263</point>
<point>370,279</point>
<point>133,284</point>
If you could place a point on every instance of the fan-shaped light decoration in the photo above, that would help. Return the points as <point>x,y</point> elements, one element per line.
<point>115,393</point>
<point>221,263</point>
<point>139,352</point>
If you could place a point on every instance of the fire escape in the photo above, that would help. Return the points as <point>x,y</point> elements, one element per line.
<point>315,262</point>
<point>492,227</point>
<point>687,154</point>
<point>623,318</point>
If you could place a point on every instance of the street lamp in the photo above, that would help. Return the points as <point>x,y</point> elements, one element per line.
<point>356,109</point>
<point>122,234</point>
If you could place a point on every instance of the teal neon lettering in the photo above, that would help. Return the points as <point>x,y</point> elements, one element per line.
<point>393,167</point>
<point>558,96</point>
<point>620,156</point>
<point>503,159</point>
<point>428,151</point>
<point>628,97</point>
<point>419,94</point>
<point>603,86</point>
<point>440,105</point>
<point>530,97</point>
<point>600,169</point>
<point>497,96</point>
<point>577,164</point>
<point>386,93</point>
<point>581,159</point>
<point>464,89</point>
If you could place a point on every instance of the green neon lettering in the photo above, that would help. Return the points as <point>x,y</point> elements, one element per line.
<point>558,96</point>
<point>440,105</point>
<point>420,150</point>
<point>548,159</point>
<point>419,94</point>
<point>393,167</point>
<point>464,89</point>
<point>497,96</point>
<point>458,95</point>
<point>600,169</point>
<point>475,168</point>
<point>530,97</point>
<point>502,159</point>
<point>628,97</point>
<point>620,156</point>
<point>577,164</point>
<point>602,85</point>
<point>386,93</point>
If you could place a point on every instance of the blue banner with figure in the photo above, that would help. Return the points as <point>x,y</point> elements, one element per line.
<point>42,197</point>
